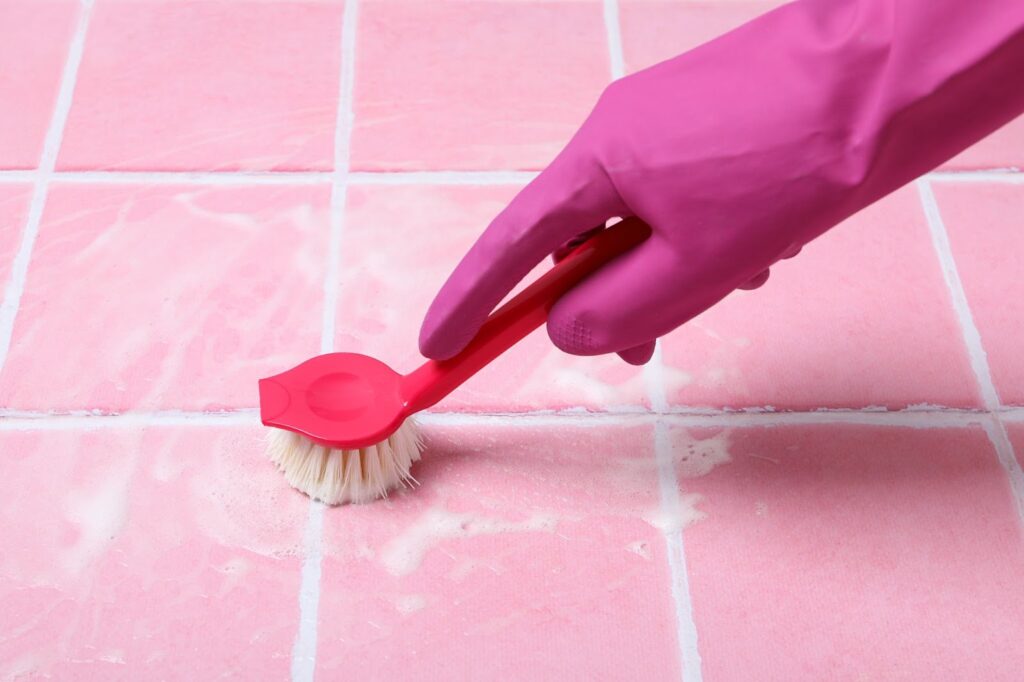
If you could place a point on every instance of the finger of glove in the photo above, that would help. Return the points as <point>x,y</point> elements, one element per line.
<point>639,296</point>
<point>757,281</point>
<point>638,355</point>
<point>570,196</point>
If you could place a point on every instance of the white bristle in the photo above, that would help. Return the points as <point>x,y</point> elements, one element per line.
<point>339,476</point>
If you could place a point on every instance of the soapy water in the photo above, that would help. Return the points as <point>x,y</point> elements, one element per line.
<point>674,520</point>
<point>640,548</point>
<point>404,553</point>
<point>691,457</point>
<point>99,511</point>
<point>409,603</point>
<point>695,457</point>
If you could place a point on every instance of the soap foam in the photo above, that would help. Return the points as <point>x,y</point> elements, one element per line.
<point>695,457</point>
<point>410,603</point>
<point>674,520</point>
<point>404,554</point>
<point>690,457</point>
<point>99,511</point>
<point>640,548</point>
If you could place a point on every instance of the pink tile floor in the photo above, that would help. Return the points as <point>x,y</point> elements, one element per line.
<point>820,479</point>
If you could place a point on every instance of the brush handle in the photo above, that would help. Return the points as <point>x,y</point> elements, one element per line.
<point>513,321</point>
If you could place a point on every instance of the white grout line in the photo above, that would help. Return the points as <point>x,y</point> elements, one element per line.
<point>13,420</point>
<point>916,419</point>
<point>531,419</point>
<point>304,650</point>
<point>424,177</point>
<point>913,418</point>
<point>15,176</point>
<point>654,380</point>
<point>329,312</point>
<point>47,162</point>
<point>1003,175</point>
<point>675,545</point>
<point>1004,450</point>
<point>245,178</point>
<point>507,177</point>
<point>972,338</point>
<point>232,178</point>
<point>613,30</point>
<point>26,420</point>
<point>303,666</point>
<point>686,627</point>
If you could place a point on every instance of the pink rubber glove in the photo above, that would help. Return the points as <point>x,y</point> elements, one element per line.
<point>738,153</point>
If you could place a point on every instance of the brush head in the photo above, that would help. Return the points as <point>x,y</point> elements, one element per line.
<point>341,400</point>
<point>341,433</point>
<point>338,476</point>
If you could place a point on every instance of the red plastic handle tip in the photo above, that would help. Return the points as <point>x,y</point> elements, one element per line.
<point>274,400</point>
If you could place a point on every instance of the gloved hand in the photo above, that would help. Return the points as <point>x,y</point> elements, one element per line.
<point>738,153</point>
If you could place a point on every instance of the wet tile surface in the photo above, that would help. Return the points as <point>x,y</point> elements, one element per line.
<point>860,318</point>
<point>142,550</point>
<point>255,89</point>
<point>656,30</point>
<point>526,553</point>
<point>835,541</point>
<point>166,297</point>
<point>537,70</point>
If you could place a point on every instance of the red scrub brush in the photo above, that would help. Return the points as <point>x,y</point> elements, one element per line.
<point>343,429</point>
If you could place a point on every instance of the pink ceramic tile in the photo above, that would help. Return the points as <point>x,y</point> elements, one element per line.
<point>400,245</point>
<point>474,85</point>
<point>656,30</point>
<point>854,553</point>
<point>1002,149</point>
<point>34,38</point>
<point>861,317</point>
<point>984,226</point>
<point>146,554</point>
<point>13,207</point>
<point>524,555</point>
<point>188,85</point>
<point>167,297</point>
